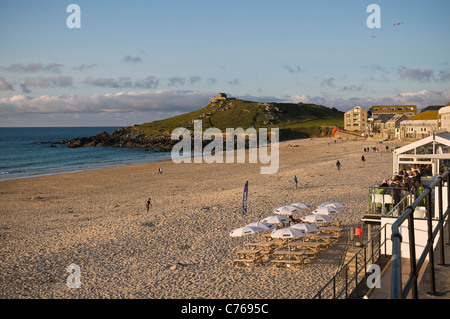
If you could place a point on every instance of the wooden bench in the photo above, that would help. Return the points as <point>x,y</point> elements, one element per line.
<point>286,262</point>
<point>263,246</point>
<point>246,261</point>
<point>287,255</point>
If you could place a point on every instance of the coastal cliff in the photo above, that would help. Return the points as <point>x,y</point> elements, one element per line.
<point>293,120</point>
<point>129,137</point>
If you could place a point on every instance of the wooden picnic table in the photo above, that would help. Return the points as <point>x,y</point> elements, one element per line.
<point>264,245</point>
<point>265,248</point>
<point>245,253</point>
<point>248,257</point>
<point>286,262</point>
<point>289,254</point>
<point>320,237</point>
<point>336,231</point>
<point>289,258</point>
<point>314,247</point>
<point>269,238</point>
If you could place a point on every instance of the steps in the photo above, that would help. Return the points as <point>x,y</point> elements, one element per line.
<point>359,261</point>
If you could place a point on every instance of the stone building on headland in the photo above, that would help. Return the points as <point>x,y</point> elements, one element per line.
<point>219,97</point>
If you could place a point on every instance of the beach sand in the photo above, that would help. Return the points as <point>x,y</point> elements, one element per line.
<point>182,247</point>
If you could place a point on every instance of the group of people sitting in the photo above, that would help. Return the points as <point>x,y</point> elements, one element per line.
<point>408,181</point>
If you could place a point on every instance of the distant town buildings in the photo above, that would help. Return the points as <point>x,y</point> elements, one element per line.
<point>408,110</point>
<point>419,126</point>
<point>398,121</point>
<point>444,117</point>
<point>356,119</point>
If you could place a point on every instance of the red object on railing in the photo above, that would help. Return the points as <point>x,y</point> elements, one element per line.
<point>358,232</point>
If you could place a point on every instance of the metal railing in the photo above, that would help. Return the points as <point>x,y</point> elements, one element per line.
<point>397,290</point>
<point>346,281</point>
<point>397,210</point>
<point>383,199</point>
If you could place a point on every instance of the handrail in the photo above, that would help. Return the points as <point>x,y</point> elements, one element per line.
<point>345,250</point>
<point>354,259</point>
<point>398,195</point>
<point>397,291</point>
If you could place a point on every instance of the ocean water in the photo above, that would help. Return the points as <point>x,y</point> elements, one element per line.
<point>22,153</point>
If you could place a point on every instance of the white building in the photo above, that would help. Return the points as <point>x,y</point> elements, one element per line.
<point>432,153</point>
<point>419,126</point>
<point>444,118</point>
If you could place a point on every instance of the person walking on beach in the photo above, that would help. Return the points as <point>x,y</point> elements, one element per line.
<point>295,181</point>
<point>338,165</point>
<point>149,204</point>
<point>363,159</point>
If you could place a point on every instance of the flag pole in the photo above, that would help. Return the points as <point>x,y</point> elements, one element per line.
<point>244,201</point>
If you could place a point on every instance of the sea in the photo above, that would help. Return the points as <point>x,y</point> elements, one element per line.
<point>28,152</point>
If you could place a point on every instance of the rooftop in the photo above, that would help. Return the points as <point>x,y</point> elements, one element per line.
<point>429,115</point>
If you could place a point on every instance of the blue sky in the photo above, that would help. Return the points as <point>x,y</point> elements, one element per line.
<point>137,61</point>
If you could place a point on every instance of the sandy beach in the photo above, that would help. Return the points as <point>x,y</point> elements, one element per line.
<point>182,247</point>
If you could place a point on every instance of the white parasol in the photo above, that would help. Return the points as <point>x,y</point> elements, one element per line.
<point>246,230</point>
<point>337,205</point>
<point>288,232</point>
<point>302,205</point>
<point>276,219</point>
<point>262,225</point>
<point>316,218</point>
<point>307,228</point>
<point>327,210</point>
<point>286,210</point>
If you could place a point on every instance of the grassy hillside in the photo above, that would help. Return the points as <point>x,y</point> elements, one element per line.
<point>294,120</point>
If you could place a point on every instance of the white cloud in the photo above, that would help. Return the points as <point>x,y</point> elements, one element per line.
<point>421,98</point>
<point>144,101</point>
<point>35,67</point>
<point>149,82</point>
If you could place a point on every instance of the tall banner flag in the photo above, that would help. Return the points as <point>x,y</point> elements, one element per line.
<point>244,201</point>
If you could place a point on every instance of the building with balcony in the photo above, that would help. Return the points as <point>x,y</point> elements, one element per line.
<point>356,119</point>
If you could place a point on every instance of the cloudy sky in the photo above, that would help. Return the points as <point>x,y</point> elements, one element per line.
<point>137,61</point>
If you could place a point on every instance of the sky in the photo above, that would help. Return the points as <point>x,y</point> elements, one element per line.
<point>132,62</point>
